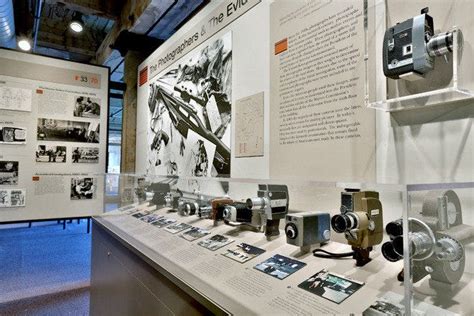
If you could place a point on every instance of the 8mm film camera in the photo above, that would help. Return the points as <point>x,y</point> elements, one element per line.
<point>306,229</point>
<point>410,47</point>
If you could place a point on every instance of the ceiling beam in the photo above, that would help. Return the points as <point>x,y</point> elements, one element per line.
<point>108,9</point>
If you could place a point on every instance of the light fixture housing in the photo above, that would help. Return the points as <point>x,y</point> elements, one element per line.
<point>76,24</point>
<point>24,44</point>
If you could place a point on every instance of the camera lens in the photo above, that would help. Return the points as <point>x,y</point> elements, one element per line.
<point>389,253</point>
<point>342,223</point>
<point>291,231</point>
<point>257,203</point>
<point>397,243</point>
<point>226,213</point>
<point>395,228</point>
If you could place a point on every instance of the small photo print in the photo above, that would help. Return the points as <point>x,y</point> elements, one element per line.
<point>12,135</point>
<point>9,172</point>
<point>88,107</point>
<point>141,214</point>
<point>164,221</point>
<point>331,286</point>
<point>176,228</point>
<point>46,153</point>
<point>82,188</point>
<point>85,155</point>
<point>68,131</point>
<point>151,218</point>
<point>215,242</point>
<point>243,252</point>
<point>280,266</point>
<point>195,233</point>
<point>12,198</point>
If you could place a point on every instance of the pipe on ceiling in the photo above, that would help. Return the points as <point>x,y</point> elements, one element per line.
<point>7,24</point>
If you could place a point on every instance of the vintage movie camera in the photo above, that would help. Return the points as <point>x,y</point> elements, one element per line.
<point>436,240</point>
<point>239,214</point>
<point>217,208</point>
<point>410,47</point>
<point>306,229</point>
<point>361,221</point>
<point>272,201</point>
<point>188,208</point>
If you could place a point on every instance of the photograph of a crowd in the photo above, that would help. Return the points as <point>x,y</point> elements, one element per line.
<point>46,153</point>
<point>85,155</point>
<point>68,131</point>
<point>190,114</point>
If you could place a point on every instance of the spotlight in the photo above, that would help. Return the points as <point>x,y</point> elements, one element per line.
<point>24,44</point>
<point>76,24</point>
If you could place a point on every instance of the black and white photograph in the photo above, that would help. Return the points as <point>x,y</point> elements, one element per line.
<point>243,252</point>
<point>190,110</point>
<point>331,286</point>
<point>87,107</point>
<point>164,221</point>
<point>12,198</point>
<point>384,308</point>
<point>9,172</point>
<point>151,218</point>
<point>83,188</point>
<point>68,131</point>
<point>85,155</point>
<point>141,214</point>
<point>194,233</point>
<point>45,153</point>
<point>279,266</point>
<point>12,135</point>
<point>178,227</point>
<point>215,242</point>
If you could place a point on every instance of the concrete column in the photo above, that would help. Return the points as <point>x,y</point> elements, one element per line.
<point>129,121</point>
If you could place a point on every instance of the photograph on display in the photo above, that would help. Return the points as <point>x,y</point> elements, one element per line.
<point>87,107</point>
<point>215,242</point>
<point>45,153</point>
<point>12,135</point>
<point>151,218</point>
<point>12,198</point>
<point>178,227</point>
<point>162,222</point>
<point>280,266</point>
<point>141,214</point>
<point>68,131</point>
<point>83,188</point>
<point>194,233</point>
<point>243,252</point>
<point>190,114</point>
<point>85,155</point>
<point>9,172</point>
<point>331,286</point>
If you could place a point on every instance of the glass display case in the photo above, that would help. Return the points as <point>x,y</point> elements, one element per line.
<point>418,56</point>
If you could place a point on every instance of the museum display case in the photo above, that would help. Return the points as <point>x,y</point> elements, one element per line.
<point>416,55</point>
<point>301,246</point>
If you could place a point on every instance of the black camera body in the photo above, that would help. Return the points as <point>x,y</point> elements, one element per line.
<point>405,47</point>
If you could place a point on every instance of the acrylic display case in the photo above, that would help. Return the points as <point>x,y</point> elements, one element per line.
<point>441,69</point>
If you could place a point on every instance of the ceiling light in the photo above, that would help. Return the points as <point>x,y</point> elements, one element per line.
<point>76,24</point>
<point>24,44</point>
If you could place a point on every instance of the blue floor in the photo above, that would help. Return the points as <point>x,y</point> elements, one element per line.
<point>46,261</point>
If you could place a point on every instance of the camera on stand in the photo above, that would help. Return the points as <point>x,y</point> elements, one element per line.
<point>436,240</point>
<point>307,229</point>
<point>410,47</point>
<point>361,221</point>
<point>272,202</point>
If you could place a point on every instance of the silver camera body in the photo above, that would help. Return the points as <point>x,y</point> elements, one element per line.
<point>238,213</point>
<point>306,229</point>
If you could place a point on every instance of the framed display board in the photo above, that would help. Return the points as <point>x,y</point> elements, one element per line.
<point>53,137</point>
